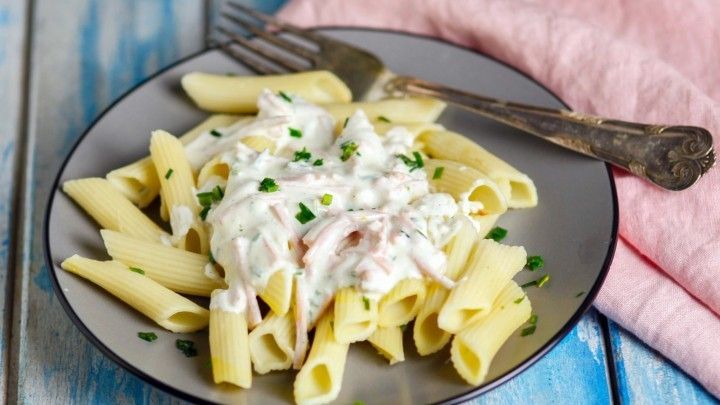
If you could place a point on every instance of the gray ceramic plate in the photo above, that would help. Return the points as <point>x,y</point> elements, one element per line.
<point>573,227</point>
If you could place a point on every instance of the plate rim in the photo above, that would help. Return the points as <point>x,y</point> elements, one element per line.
<point>473,391</point>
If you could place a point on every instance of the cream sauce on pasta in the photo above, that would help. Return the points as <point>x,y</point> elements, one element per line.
<point>369,220</point>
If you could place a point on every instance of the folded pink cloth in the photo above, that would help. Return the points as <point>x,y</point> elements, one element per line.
<point>644,60</point>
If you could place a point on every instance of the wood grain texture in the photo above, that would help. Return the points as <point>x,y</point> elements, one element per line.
<point>12,44</point>
<point>85,53</point>
<point>645,377</point>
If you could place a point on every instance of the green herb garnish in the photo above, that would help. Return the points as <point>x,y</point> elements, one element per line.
<point>579,294</point>
<point>284,96</point>
<point>437,174</point>
<point>535,262</point>
<point>358,403</point>
<point>211,258</point>
<point>137,270</point>
<point>326,199</point>
<point>204,213</point>
<point>208,364</point>
<point>187,347</point>
<point>318,162</point>
<point>346,121</point>
<point>168,174</point>
<point>533,319</point>
<point>268,185</point>
<point>302,155</point>
<point>519,300</point>
<point>366,301</point>
<point>295,133</point>
<point>304,215</point>
<point>215,133</point>
<point>539,283</point>
<point>348,149</point>
<point>205,199</point>
<point>383,118</point>
<point>497,234</point>
<point>147,336</point>
<point>528,331</point>
<point>412,164</point>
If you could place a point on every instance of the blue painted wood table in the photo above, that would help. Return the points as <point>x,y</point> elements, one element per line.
<point>61,64</point>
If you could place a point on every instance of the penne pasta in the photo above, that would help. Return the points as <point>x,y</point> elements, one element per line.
<point>491,267</point>
<point>320,377</point>
<point>428,336</point>
<point>168,309</point>
<point>415,109</point>
<point>239,94</point>
<point>518,188</point>
<point>272,343</point>
<point>389,343</point>
<point>402,303</point>
<point>259,143</point>
<point>176,269</point>
<point>111,209</point>
<point>216,171</point>
<point>139,182</point>
<point>474,347</point>
<point>415,128</point>
<point>475,192</point>
<point>277,294</point>
<point>355,315</point>
<point>176,188</point>
<point>229,348</point>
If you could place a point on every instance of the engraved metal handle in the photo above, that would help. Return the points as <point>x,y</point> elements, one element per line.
<point>673,157</point>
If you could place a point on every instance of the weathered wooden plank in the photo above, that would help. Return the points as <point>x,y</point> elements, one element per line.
<point>574,372</point>
<point>645,377</point>
<point>85,54</point>
<point>12,43</point>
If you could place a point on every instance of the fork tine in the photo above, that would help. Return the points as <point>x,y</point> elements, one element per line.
<point>261,50</point>
<point>274,21</point>
<point>257,66</point>
<point>272,38</point>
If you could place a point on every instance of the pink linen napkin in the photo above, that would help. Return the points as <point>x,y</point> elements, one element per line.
<point>644,60</point>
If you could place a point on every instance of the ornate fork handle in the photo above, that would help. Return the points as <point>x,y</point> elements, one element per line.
<point>673,157</point>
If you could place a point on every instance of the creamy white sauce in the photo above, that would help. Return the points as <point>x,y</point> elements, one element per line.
<point>382,226</point>
<point>181,219</point>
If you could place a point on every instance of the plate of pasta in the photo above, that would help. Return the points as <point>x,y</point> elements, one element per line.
<point>234,238</point>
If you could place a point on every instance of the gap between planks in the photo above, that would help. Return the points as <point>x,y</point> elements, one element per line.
<point>17,228</point>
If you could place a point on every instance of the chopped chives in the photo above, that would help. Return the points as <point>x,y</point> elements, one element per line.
<point>383,118</point>
<point>366,302</point>
<point>147,336</point>
<point>579,294</point>
<point>304,215</point>
<point>326,199</point>
<point>215,133</point>
<point>542,281</point>
<point>302,155</point>
<point>533,319</point>
<point>528,331</point>
<point>412,164</point>
<point>348,149</point>
<point>204,199</point>
<point>539,283</point>
<point>437,174</point>
<point>137,270</point>
<point>358,403</point>
<point>346,121</point>
<point>318,162</point>
<point>268,185</point>
<point>203,214</point>
<point>211,258</point>
<point>535,262</point>
<point>519,300</point>
<point>187,347</point>
<point>285,96</point>
<point>295,133</point>
<point>168,174</point>
<point>497,234</point>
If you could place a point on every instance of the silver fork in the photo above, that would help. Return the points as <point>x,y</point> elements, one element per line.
<point>673,157</point>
